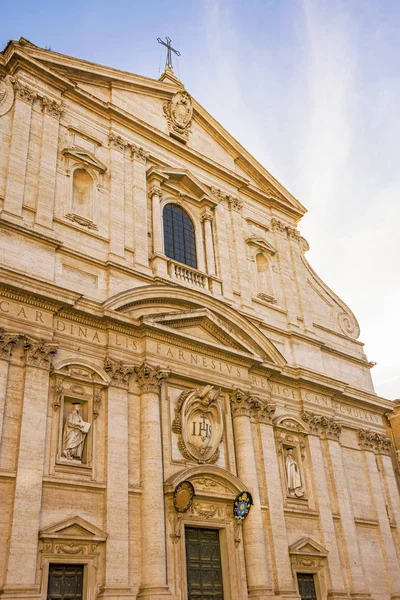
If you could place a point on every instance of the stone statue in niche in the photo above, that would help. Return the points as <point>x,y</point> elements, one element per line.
<point>293,477</point>
<point>74,435</point>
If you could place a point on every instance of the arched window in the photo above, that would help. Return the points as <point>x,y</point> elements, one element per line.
<point>82,193</point>
<point>179,237</point>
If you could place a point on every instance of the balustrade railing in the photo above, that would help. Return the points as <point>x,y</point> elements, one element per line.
<point>186,274</point>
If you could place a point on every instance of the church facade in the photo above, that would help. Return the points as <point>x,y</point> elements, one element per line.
<point>185,408</point>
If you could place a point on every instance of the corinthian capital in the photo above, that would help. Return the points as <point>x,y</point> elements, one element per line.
<point>139,153</point>
<point>8,341</point>
<point>120,374</point>
<point>242,403</point>
<point>320,424</point>
<point>39,353</point>
<point>234,203</point>
<point>150,378</point>
<point>23,92</point>
<point>155,191</point>
<point>117,142</point>
<point>52,107</point>
<point>376,442</point>
<point>264,411</point>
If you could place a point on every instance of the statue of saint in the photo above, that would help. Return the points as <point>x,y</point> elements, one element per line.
<point>293,475</point>
<point>75,432</point>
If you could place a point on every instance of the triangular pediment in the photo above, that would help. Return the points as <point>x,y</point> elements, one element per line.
<point>202,325</point>
<point>142,100</point>
<point>182,181</point>
<point>308,547</point>
<point>261,243</point>
<point>85,157</point>
<point>75,528</point>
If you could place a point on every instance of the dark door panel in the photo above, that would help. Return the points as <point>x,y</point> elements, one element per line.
<point>203,564</point>
<point>65,582</point>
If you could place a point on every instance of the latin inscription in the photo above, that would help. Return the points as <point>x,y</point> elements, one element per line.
<point>199,360</point>
<point>343,409</point>
<point>23,312</point>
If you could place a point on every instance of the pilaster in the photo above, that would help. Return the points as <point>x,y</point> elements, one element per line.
<point>331,429</point>
<point>373,443</point>
<point>140,212</point>
<point>277,522</point>
<point>52,111</point>
<point>8,341</point>
<point>235,207</point>
<point>17,162</point>
<point>118,147</point>
<point>258,577</point>
<point>117,509</point>
<point>23,552</point>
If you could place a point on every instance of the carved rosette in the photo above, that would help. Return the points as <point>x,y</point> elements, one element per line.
<point>52,107</point>
<point>375,442</point>
<point>6,95</point>
<point>23,92</point>
<point>348,325</point>
<point>329,427</point>
<point>150,378</point>
<point>198,424</point>
<point>179,113</point>
<point>8,341</point>
<point>119,372</point>
<point>39,353</point>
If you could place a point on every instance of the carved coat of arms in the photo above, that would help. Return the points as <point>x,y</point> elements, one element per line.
<point>198,423</point>
<point>179,113</point>
<point>6,95</point>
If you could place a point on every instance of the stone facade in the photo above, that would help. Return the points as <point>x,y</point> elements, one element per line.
<point>125,372</point>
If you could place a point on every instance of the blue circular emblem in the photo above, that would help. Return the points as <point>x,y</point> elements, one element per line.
<point>242,505</point>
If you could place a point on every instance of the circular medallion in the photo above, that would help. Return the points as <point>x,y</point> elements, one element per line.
<point>183,496</point>
<point>242,505</point>
<point>6,95</point>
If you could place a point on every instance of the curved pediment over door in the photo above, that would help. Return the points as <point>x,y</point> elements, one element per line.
<point>185,314</point>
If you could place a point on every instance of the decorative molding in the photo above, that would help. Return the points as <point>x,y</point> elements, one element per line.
<point>8,341</point>
<point>155,190</point>
<point>179,114</point>
<point>23,92</point>
<point>261,244</point>
<point>198,424</point>
<point>117,142</point>
<point>234,203</point>
<point>88,159</point>
<point>97,399</point>
<point>81,221</point>
<point>138,153</point>
<point>291,232</point>
<point>150,378</point>
<point>375,442</point>
<point>241,403</point>
<point>52,107</point>
<point>6,95</point>
<point>218,193</point>
<point>329,427</point>
<point>207,216</point>
<point>120,374</point>
<point>39,353</point>
<point>266,298</point>
<point>348,325</point>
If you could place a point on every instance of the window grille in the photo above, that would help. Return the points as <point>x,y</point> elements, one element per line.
<point>179,236</point>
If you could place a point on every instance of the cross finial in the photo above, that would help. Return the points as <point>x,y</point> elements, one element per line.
<point>168,60</point>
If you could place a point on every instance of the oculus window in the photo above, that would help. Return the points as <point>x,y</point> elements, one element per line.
<point>179,236</point>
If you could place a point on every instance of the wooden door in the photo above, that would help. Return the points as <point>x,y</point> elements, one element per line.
<point>65,582</point>
<point>203,564</point>
<point>306,583</point>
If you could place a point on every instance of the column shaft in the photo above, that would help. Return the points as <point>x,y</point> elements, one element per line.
<point>117,512</point>
<point>153,553</point>
<point>209,244</point>
<point>258,577</point>
<point>23,554</point>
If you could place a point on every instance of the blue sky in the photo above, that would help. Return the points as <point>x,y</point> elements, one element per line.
<point>310,87</point>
